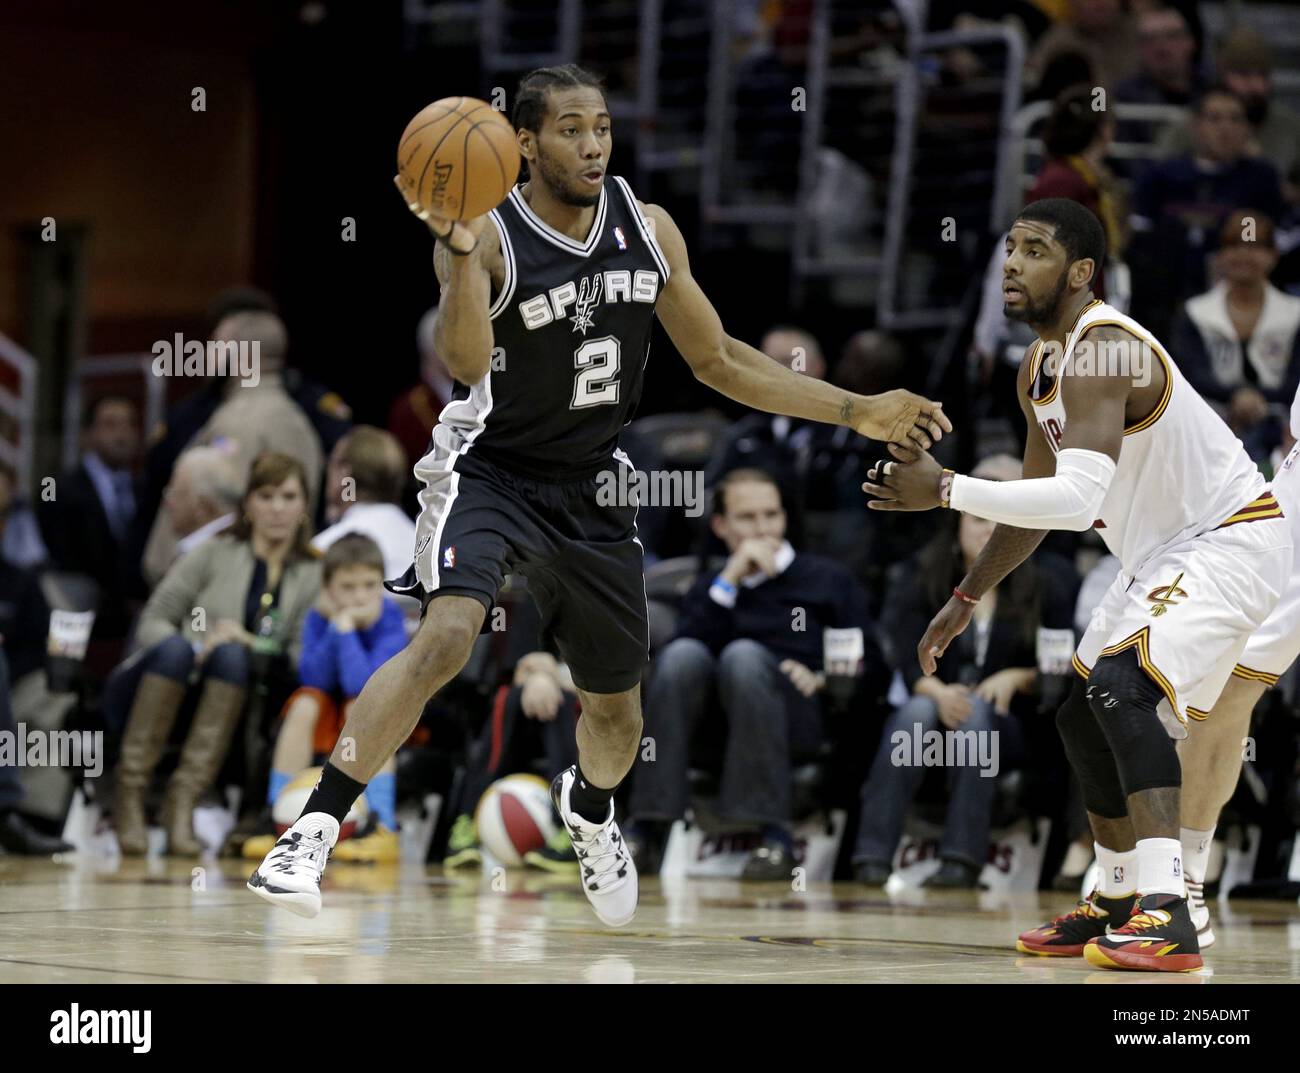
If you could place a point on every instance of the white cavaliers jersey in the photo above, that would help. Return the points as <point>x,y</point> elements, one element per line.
<point>1181,471</point>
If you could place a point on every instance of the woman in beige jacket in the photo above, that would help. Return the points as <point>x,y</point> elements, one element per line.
<point>242,592</point>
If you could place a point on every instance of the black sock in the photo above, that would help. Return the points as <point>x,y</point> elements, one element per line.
<point>335,793</point>
<point>590,802</point>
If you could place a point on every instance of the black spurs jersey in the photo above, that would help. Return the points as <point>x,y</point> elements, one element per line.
<point>571,334</point>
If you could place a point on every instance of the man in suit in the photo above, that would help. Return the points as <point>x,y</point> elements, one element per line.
<point>85,524</point>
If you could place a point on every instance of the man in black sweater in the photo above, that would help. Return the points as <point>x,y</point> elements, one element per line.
<point>748,660</point>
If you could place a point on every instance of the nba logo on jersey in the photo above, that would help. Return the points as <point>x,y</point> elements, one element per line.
<point>449,557</point>
<point>618,237</point>
<point>1119,873</point>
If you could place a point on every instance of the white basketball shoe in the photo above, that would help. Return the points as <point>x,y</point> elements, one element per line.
<point>608,874</point>
<point>1199,911</point>
<point>290,874</point>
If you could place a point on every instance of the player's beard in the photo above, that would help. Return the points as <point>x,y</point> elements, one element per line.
<point>557,183</point>
<point>1042,312</point>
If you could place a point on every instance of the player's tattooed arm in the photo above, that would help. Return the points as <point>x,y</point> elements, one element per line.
<point>749,376</point>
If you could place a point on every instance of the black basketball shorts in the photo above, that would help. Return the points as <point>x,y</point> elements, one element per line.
<point>582,559</point>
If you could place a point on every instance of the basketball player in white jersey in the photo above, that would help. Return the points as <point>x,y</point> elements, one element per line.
<point>1212,753</point>
<point>1120,442</point>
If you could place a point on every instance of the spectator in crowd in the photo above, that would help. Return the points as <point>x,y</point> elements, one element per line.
<point>328,414</point>
<point>1099,31</point>
<point>86,523</point>
<point>1245,67</point>
<point>1180,204</point>
<point>1168,73</point>
<point>837,524</point>
<point>17,836</point>
<point>24,627</point>
<point>532,717</point>
<point>813,463</point>
<point>350,633</point>
<point>413,415</point>
<point>1238,343</point>
<point>751,637</point>
<point>985,683</point>
<point>1166,61</point>
<point>252,420</point>
<point>20,532</point>
<point>1077,138</point>
<point>245,591</point>
<point>24,619</point>
<point>363,484</point>
<point>263,417</point>
<point>200,500</point>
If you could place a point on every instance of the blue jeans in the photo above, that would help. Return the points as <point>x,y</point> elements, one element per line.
<point>769,724</point>
<point>890,787</point>
<point>172,658</point>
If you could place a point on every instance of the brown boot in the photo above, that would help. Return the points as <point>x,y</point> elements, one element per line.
<point>214,724</point>
<point>153,713</point>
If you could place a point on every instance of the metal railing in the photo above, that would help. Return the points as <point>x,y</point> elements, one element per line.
<point>902,167</point>
<point>515,37</point>
<point>18,408</point>
<point>720,162</point>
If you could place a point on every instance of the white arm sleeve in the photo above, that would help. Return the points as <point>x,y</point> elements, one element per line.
<point>1070,500</point>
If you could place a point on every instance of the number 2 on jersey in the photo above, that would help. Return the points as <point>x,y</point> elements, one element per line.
<point>597,362</point>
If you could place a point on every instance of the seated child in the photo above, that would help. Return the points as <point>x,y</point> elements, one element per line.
<point>350,632</point>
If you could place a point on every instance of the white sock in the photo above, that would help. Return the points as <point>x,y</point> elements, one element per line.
<point>1196,853</point>
<point>1118,871</point>
<point>1160,867</point>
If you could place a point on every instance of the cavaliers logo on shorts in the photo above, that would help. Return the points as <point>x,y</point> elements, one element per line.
<point>1165,596</point>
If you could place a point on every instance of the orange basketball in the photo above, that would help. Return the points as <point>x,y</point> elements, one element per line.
<point>460,156</point>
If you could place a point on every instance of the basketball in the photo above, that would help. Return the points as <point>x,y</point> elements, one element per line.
<point>289,805</point>
<point>514,817</point>
<point>460,156</point>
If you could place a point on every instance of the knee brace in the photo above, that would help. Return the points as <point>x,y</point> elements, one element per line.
<point>1123,698</point>
<point>1090,756</point>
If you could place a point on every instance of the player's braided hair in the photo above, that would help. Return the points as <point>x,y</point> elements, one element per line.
<point>530,97</point>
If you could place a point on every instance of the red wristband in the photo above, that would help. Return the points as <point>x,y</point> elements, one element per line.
<point>963,597</point>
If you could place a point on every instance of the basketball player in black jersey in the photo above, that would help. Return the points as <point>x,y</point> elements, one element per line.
<point>544,321</point>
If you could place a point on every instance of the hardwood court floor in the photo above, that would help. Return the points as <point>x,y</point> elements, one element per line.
<point>104,921</point>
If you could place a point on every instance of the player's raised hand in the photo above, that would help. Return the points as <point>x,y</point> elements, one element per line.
<point>954,617</point>
<point>900,417</point>
<point>911,483</point>
<point>461,236</point>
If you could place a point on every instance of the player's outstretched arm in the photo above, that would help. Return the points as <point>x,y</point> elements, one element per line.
<point>462,258</point>
<point>747,375</point>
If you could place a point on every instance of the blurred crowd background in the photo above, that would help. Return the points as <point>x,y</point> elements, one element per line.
<point>843,173</point>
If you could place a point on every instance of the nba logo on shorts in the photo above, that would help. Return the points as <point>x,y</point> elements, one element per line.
<point>618,237</point>
<point>1119,873</point>
<point>449,557</point>
<point>1178,866</point>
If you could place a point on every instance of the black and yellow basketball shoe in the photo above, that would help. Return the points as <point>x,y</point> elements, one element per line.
<point>1067,935</point>
<point>1159,937</point>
